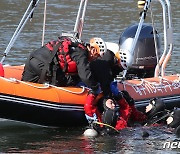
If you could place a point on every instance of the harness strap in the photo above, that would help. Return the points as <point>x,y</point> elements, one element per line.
<point>64,52</point>
<point>48,65</point>
<point>54,70</point>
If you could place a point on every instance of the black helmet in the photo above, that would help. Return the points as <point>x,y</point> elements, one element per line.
<point>176,118</point>
<point>144,52</point>
<point>158,106</point>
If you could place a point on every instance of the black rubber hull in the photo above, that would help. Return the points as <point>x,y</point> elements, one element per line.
<point>55,115</point>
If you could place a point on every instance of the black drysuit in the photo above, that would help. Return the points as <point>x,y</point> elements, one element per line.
<point>90,73</point>
<point>105,69</point>
<point>38,59</point>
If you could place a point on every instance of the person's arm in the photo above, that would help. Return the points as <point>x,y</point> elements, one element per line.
<point>80,56</point>
<point>109,57</point>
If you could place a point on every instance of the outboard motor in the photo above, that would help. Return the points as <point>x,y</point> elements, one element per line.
<point>144,61</point>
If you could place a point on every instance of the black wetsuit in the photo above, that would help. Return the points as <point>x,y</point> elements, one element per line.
<point>105,69</point>
<point>100,70</point>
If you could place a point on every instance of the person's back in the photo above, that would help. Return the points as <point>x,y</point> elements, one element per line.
<point>60,63</point>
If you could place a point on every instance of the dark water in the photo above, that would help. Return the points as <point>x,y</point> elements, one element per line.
<point>106,19</point>
<point>16,138</point>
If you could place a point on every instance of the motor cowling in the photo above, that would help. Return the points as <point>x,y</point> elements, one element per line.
<point>143,60</point>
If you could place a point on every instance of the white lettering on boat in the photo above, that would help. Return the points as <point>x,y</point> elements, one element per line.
<point>164,86</point>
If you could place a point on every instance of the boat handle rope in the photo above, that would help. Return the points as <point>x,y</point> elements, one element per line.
<point>152,83</point>
<point>83,89</point>
<point>45,85</point>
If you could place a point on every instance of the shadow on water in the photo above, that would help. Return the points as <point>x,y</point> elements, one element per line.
<point>17,138</point>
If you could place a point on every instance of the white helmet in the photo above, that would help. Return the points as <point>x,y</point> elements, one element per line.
<point>99,44</point>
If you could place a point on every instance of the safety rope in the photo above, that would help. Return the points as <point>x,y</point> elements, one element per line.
<point>100,123</point>
<point>45,85</point>
<point>151,83</point>
<point>83,89</point>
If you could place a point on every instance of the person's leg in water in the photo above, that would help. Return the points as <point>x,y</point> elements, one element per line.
<point>135,114</point>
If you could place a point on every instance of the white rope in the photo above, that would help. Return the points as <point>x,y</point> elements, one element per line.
<point>83,89</point>
<point>26,83</point>
<point>152,85</point>
<point>45,85</point>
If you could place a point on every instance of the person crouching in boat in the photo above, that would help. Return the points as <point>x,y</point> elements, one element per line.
<point>61,63</point>
<point>66,62</point>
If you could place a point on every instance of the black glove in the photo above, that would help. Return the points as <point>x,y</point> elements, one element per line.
<point>95,90</point>
<point>127,97</point>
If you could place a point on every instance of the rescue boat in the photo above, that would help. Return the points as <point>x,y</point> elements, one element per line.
<point>52,106</point>
<point>40,104</point>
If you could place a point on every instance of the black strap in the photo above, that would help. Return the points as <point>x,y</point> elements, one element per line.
<point>54,69</point>
<point>54,52</point>
<point>48,65</point>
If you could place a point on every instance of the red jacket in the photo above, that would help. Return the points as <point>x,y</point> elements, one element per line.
<point>126,112</point>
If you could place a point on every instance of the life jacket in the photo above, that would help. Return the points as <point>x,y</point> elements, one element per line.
<point>56,58</point>
<point>65,61</point>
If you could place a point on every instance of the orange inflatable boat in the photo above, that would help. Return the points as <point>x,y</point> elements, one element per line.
<point>40,104</point>
<point>52,106</point>
<point>48,105</point>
